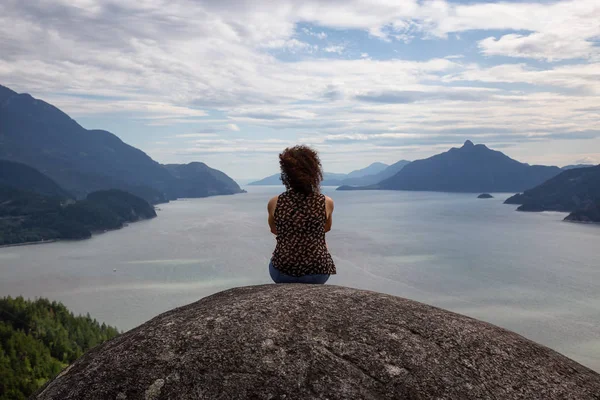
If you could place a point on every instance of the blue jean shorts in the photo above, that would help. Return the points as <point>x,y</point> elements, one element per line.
<point>279,277</point>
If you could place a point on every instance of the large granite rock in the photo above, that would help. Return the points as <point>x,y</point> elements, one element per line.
<point>319,342</point>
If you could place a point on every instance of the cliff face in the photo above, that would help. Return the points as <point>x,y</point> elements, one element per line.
<point>318,342</point>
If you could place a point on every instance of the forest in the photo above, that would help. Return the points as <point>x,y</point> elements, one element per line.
<point>38,339</point>
<point>31,217</point>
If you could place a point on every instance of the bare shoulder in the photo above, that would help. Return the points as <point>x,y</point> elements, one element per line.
<point>272,203</point>
<point>329,203</point>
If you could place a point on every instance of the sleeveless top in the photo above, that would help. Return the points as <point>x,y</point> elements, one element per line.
<point>300,221</point>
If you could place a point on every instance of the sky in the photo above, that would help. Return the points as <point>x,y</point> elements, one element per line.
<point>233,82</point>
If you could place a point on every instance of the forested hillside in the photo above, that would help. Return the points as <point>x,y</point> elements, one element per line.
<point>38,339</point>
<point>30,217</point>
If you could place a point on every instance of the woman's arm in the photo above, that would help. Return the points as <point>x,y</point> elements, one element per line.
<point>271,209</point>
<point>329,207</point>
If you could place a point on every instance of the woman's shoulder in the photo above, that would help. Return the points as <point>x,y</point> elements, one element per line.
<point>273,203</point>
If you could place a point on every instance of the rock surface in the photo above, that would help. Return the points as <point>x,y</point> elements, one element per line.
<point>319,342</point>
<point>485,196</point>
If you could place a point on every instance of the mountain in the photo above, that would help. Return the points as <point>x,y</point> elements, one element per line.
<point>372,174</point>
<point>574,190</point>
<point>21,176</point>
<point>329,179</point>
<point>5,93</point>
<point>268,181</point>
<point>590,213</point>
<point>566,167</point>
<point>30,217</point>
<point>127,207</point>
<point>372,169</point>
<point>38,134</point>
<point>378,177</point>
<point>471,168</point>
<point>199,180</point>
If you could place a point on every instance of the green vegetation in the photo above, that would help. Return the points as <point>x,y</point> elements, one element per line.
<point>38,339</point>
<point>29,217</point>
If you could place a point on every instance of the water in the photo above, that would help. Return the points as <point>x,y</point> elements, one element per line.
<point>530,273</point>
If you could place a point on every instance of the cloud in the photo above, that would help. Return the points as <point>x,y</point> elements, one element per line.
<point>338,49</point>
<point>277,69</point>
<point>413,96</point>
<point>290,45</point>
<point>582,77</point>
<point>542,46</point>
<point>196,135</point>
<point>588,160</point>
<point>310,32</point>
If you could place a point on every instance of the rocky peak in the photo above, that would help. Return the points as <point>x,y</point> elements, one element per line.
<point>319,342</point>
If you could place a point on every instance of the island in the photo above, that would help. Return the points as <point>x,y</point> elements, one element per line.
<point>28,217</point>
<point>485,196</point>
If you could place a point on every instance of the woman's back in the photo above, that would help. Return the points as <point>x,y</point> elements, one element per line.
<point>300,222</point>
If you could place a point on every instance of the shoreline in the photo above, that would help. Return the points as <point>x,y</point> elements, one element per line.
<point>574,221</point>
<point>125,224</point>
<point>2,246</point>
<point>94,233</point>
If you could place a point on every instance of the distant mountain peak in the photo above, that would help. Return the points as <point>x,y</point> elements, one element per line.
<point>82,161</point>
<point>6,92</point>
<point>471,168</point>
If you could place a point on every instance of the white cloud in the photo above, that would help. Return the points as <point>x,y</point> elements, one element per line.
<point>175,62</point>
<point>310,32</point>
<point>582,77</point>
<point>543,46</point>
<point>196,135</point>
<point>291,45</point>
<point>338,49</point>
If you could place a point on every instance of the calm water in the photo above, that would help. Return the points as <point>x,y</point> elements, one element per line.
<point>530,273</point>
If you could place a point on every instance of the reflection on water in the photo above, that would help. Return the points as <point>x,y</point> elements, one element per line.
<point>530,273</point>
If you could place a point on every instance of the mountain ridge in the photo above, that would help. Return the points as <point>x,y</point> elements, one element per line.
<point>371,169</point>
<point>42,136</point>
<point>360,176</point>
<point>470,169</point>
<point>24,177</point>
<point>217,184</point>
<point>390,171</point>
<point>574,190</point>
<point>329,179</point>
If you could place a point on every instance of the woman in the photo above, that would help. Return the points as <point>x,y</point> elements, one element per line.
<point>299,218</point>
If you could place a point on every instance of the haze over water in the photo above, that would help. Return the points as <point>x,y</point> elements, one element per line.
<point>530,273</point>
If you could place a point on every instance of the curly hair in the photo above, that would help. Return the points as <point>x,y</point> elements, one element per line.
<point>301,169</point>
